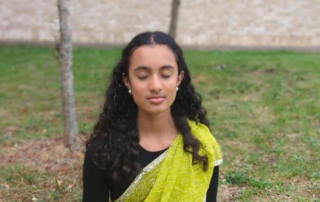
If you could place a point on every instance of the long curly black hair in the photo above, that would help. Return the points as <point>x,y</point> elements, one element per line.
<point>117,124</point>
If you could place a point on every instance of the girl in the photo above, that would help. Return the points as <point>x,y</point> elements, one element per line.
<point>151,142</point>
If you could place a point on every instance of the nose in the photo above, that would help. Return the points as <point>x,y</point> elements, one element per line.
<point>155,84</point>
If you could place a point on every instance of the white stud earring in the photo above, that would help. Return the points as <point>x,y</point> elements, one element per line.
<point>129,91</point>
<point>177,88</point>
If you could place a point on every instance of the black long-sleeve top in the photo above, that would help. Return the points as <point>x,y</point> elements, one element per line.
<point>97,182</point>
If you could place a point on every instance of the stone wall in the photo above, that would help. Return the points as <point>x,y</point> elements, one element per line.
<point>238,23</point>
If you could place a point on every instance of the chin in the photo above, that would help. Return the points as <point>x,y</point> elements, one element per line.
<point>156,110</point>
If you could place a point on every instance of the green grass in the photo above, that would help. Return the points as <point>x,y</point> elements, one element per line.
<point>264,109</point>
<point>27,184</point>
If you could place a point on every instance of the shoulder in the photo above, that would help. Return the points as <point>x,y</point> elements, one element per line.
<point>89,159</point>
<point>201,131</point>
<point>207,140</point>
<point>91,151</point>
<point>94,146</point>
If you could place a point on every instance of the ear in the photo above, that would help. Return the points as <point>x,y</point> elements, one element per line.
<point>180,77</point>
<point>126,81</point>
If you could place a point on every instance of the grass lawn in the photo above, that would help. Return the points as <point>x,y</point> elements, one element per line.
<point>264,109</point>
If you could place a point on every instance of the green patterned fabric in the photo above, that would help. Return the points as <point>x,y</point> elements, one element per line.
<point>172,177</point>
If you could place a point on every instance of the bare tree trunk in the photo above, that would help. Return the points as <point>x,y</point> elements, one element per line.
<point>71,136</point>
<point>174,18</point>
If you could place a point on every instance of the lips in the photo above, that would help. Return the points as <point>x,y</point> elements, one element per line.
<point>156,99</point>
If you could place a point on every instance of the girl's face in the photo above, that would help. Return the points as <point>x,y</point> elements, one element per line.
<point>153,78</point>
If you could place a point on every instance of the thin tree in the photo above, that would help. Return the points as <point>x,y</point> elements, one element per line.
<point>174,18</point>
<point>70,134</point>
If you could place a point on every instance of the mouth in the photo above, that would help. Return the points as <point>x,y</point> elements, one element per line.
<point>156,99</point>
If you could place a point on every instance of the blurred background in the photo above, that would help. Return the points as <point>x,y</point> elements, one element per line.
<point>210,23</point>
<point>256,64</point>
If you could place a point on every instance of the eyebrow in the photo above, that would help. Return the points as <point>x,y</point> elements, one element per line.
<point>148,68</point>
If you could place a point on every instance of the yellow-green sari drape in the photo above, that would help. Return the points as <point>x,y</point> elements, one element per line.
<point>172,177</point>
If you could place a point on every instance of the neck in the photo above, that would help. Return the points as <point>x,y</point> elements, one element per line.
<point>156,125</point>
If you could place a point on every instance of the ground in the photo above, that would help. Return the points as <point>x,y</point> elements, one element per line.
<point>263,107</point>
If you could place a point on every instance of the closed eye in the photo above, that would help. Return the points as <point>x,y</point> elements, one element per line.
<point>165,76</point>
<point>142,77</point>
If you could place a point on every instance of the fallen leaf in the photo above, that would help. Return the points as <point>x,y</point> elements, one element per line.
<point>58,182</point>
<point>6,186</point>
<point>63,171</point>
<point>72,185</point>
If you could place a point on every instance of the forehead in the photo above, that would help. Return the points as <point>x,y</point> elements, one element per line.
<point>153,56</point>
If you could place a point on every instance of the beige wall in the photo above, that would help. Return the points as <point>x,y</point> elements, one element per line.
<point>261,23</point>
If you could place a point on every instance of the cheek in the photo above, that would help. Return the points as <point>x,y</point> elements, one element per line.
<point>171,91</point>
<point>171,86</point>
<point>138,92</point>
<point>138,98</point>
<point>136,85</point>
